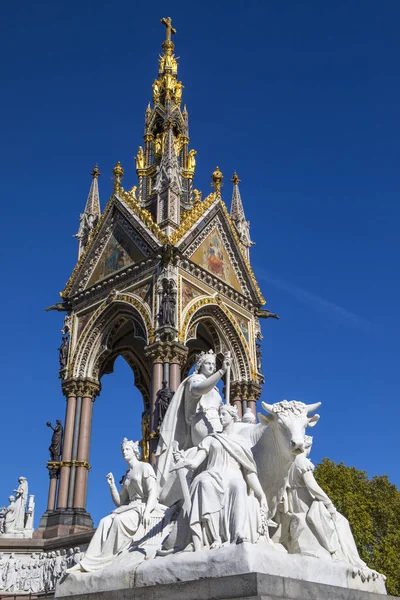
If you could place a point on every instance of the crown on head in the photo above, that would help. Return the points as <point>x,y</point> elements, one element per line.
<point>200,358</point>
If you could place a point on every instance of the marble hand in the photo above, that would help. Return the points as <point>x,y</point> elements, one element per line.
<point>110,479</point>
<point>226,364</point>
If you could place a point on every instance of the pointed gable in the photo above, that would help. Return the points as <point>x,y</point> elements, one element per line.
<point>119,252</point>
<point>213,256</point>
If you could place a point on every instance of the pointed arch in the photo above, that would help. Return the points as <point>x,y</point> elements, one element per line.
<point>222,331</point>
<point>120,326</point>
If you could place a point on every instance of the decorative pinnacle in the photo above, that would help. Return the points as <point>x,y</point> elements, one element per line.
<point>118,175</point>
<point>235,179</point>
<point>216,181</point>
<point>95,173</point>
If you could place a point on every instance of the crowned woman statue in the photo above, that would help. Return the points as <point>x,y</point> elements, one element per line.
<point>137,504</point>
<point>191,416</point>
<point>222,509</point>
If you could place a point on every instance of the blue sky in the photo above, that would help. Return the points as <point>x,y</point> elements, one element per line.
<point>301,98</point>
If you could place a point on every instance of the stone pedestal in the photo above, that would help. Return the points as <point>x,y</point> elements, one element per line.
<point>270,573</point>
<point>251,586</point>
<point>63,522</point>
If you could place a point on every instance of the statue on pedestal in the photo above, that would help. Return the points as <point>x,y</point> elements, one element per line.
<point>166,314</point>
<point>9,515</point>
<point>63,352</point>
<point>21,499</point>
<point>137,504</point>
<point>56,439</point>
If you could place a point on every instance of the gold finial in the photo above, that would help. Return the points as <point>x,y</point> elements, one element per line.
<point>118,172</point>
<point>235,179</point>
<point>184,112</point>
<point>167,21</point>
<point>95,173</point>
<point>216,182</point>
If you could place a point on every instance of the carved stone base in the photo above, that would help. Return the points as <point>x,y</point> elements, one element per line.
<point>63,522</point>
<point>274,573</point>
<point>251,586</point>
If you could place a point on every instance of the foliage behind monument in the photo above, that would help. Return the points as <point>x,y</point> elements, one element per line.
<point>372,507</point>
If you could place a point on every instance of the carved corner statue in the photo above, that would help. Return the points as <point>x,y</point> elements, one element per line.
<point>63,352</point>
<point>166,314</point>
<point>56,440</point>
<point>163,398</point>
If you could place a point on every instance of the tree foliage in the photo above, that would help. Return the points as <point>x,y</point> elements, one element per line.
<point>372,507</point>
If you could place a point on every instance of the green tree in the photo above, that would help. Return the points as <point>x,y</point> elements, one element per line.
<point>372,507</point>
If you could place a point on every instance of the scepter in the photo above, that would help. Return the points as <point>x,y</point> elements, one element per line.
<point>228,380</point>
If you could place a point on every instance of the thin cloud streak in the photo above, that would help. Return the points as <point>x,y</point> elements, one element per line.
<point>319,304</point>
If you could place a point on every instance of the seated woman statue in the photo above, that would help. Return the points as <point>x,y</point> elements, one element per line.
<point>191,416</point>
<point>311,524</point>
<point>222,511</point>
<point>137,504</point>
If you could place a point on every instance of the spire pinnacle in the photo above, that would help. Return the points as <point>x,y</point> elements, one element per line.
<point>238,217</point>
<point>95,173</point>
<point>89,218</point>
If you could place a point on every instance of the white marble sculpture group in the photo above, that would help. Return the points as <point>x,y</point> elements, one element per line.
<point>16,519</point>
<point>220,482</point>
<point>36,572</point>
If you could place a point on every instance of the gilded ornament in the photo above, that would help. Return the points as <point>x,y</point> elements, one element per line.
<point>156,91</point>
<point>118,172</point>
<point>158,144</point>
<point>191,161</point>
<point>216,181</point>
<point>167,21</point>
<point>140,158</point>
<point>178,92</point>
<point>197,196</point>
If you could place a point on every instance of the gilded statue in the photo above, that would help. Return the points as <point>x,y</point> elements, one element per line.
<point>156,90</point>
<point>191,161</point>
<point>178,92</point>
<point>197,196</point>
<point>158,144</point>
<point>169,82</point>
<point>178,144</point>
<point>140,158</point>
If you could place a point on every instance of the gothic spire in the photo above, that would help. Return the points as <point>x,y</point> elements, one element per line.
<point>165,157</point>
<point>238,217</point>
<point>89,218</point>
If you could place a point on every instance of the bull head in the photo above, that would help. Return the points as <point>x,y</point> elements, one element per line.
<point>292,419</point>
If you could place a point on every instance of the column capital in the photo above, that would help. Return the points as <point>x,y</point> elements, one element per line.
<point>81,387</point>
<point>167,352</point>
<point>54,469</point>
<point>245,390</point>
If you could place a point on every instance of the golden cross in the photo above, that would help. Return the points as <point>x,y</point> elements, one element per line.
<point>167,21</point>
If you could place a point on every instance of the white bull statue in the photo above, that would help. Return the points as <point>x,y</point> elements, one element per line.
<point>309,522</point>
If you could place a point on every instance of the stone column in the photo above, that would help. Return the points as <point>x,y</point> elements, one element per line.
<point>54,469</point>
<point>178,357</point>
<point>236,397</point>
<point>70,390</point>
<point>160,354</point>
<point>89,393</point>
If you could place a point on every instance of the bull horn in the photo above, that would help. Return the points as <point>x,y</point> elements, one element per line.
<point>312,407</point>
<point>267,407</point>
